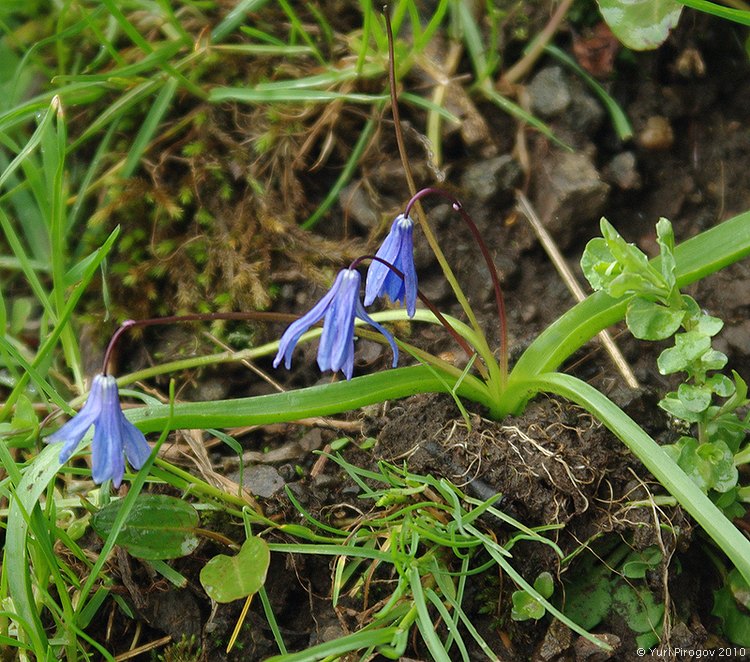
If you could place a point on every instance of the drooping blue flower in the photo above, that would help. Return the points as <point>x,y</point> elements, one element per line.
<point>339,307</point>
<point>398,249</point>
<point>114,435</point>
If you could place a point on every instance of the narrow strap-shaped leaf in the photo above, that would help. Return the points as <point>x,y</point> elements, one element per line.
<point>734,544</point>
<point>324,400</point>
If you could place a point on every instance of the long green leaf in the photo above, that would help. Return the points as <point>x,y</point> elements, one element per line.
<point>322,400</point>
<point>254,96</point>
<point>734,544</point>
<point>26,498</point>
<point>741,16</point>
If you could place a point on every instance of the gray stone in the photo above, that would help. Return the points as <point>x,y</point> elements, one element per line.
<point>569,195</point>
<point>357,204</point>
<point>585,113</point>
<point>621,171</point>
<point>549,92</point>
<point>263,480</point>
<point>487,179</point>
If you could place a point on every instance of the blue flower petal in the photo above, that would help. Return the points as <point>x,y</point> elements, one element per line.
<point>336,349</point>
<point>338,308</point>
<point>294,331</point>
<point>136,447</point>
<point>107,447</point>
<point>74,430</point>
<point>362,314</point>
<point>114,435</point>
<point>397,249</point>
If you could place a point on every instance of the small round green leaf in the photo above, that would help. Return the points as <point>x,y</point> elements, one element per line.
<point>525,607</point>
<point>228,578</point>
<point>695,398</point>
<point>157,527</point>
<point>649,320</point>
<point>641,24</point>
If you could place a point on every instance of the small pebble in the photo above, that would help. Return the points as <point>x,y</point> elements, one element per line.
<point>657,134</point>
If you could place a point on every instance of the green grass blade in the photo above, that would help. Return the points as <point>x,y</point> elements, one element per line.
<point>424,622</point>
<point>25,264</point>
<point>147,48</point>
<point>149,127</point>
<point>617,114</point>
<point>51,340</point>
<point>235,18</point>
<point>740,16</point>
<point>54,142</point>
<point>338,647</point>
<point>26,497</point>
<point>291,95</point>
<point>32,144</point>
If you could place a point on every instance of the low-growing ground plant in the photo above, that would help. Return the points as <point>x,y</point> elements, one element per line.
<point>404,554</point>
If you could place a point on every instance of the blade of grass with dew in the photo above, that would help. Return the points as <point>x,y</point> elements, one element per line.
<point>616,113</point>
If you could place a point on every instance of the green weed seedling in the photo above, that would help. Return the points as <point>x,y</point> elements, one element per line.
<point>525,606</point>
<point>657,310</point>
<point>719,445</point>
<point>612,586</point>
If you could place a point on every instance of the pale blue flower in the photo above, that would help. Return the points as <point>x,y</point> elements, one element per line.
<point>339,307</point>
<point>114,435</point>
<point>397,249</point>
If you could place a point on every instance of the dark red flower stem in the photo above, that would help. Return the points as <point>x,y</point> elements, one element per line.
<point>127,325</point>
<point>499,299</point>
<point>456,336</point>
